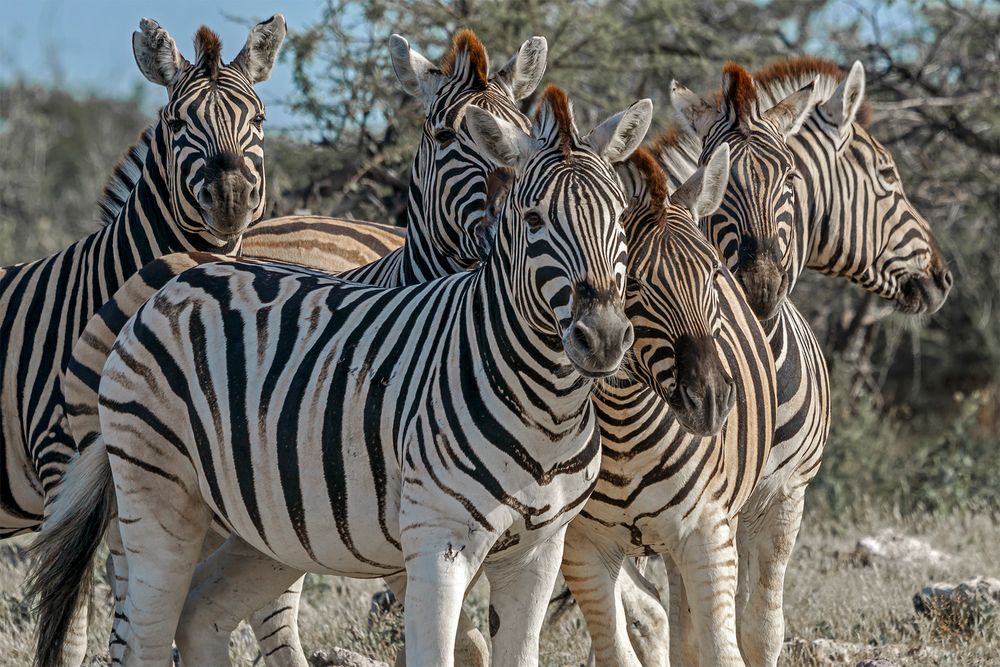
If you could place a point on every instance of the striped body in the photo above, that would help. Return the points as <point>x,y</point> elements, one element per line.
<point>47,303</point>
<point>476,433</point>
<point>449,186</point>
<point>847,218</point>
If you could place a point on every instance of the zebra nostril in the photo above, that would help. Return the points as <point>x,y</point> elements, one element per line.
<point>945,279</point>
<point>205,199</point>
<point>581,338</point>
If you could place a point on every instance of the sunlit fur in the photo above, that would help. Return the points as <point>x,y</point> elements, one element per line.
<point>661,489</point>
<point>513,475</point>
<point>45,304</point>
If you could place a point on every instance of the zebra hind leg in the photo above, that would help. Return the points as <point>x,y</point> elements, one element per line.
<point>591,572</point>
<point>520,589</point>
<point>276,627</point>
<point>233,583</point>
<point>163,542</point>
<point>762,628</point>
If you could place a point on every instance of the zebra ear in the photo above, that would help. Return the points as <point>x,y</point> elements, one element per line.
<point>702,192</point>
<point>789,114</point>
<point>502,142</point>
<point>619,136</point>
<point>843,106</point>
<point>156,53</point>
<point>699,113</point>
<point>417,75</point>
<point>524,71</point>
<point>261,50</point>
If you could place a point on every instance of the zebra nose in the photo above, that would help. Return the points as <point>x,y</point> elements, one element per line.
<point>596,341</point>
<point>944,279</point>
<point>705,392</point>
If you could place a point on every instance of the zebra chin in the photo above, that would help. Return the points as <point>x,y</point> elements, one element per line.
<point>923,293</point>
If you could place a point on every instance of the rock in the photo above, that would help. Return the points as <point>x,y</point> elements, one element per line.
<point>889,545</point>
<point>965,607</point>
<point>341,657</point>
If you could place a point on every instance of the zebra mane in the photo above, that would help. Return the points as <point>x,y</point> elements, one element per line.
<point>555,115</point>
<point>124,178</point>
<point>467,56</point>
<point>652,174</point>
<point>677,151</point>
<point>780,79</point>
<point>739,89</point>
<point>208,51</point>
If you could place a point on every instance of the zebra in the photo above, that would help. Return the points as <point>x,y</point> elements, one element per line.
<point>655,493</point>
<point>447,232</point>
<point>502,357</point>
<point>198,179</point>
<point>880,242</point>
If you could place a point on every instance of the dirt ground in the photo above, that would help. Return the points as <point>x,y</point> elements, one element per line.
<point>865,609</point>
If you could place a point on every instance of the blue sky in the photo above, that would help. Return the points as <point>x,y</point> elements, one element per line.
<point>86,45</point>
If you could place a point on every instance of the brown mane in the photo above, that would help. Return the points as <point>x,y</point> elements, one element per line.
<point>807,67</point>
<point>742,93</point>
<point>667,139</point>
<point>466,42</point>
<point>557,100</point>
<point>208,48</point>
<point>656,180</point>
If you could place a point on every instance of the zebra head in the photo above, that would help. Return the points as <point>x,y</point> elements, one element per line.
<point>672,297</point>
<point>872,233</point>
<point>210,131</point>
<point>753,228</point>
<point>561,240</point>
<point>455,223</point>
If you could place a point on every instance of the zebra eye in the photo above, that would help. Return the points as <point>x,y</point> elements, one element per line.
<point>888,175</point>
<point>258,120</point>
<point>792,177</point>
<point>445,136</point>
<point>534,221</point>
<point>176,125</point>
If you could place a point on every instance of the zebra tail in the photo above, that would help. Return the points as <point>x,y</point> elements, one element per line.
<point>61,575</point>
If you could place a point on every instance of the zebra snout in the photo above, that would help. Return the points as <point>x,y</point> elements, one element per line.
<point>705,393</point>
<point>596,340</point>
<point>228,202</point>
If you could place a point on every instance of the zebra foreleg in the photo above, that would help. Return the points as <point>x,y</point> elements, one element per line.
<point>683,642</point>
<point>762,626</point>
<point>470,645</point>
<point>233,583</point>
<point>708,563</point>
<point>440,566</point>
<point>591,572</point>
<point>520,589</point>
<point>648,625</point>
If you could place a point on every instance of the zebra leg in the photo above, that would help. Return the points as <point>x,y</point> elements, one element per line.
<point>683,643</point>
<point>648,625</point>
<point>276,627</point>
<point>520,589</point>
<point>708,563</point>
<point>762,629</point>
<point>276,624</point>
<point>163,541</point>
<point>470,645</point>
<point>591,572</point>
<point>441,564</point>
<point>234,582</point>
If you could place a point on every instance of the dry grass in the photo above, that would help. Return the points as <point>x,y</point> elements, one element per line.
<point>869,608</point>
